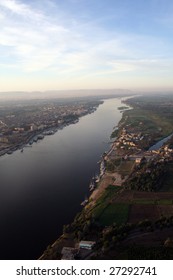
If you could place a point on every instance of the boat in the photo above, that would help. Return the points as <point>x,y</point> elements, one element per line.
<point>22,150</point>
<point>40,137</point>
<point>91,186</point>
<point>97,178</point>
<point>83,203</point>
<point>49,132</point>
<point>102,168</point>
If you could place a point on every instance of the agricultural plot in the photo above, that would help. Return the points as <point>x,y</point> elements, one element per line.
<point>125,167</point>
<point>106,211</point>
<point>140,212</point>
<point>146,205</point>
<point>152,195</point>
<point>150,121</point>
<point>114,213</point>
<point>109,193</point>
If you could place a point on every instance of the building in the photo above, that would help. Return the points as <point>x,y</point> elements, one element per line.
<point>4,140</point>
<point>86,244</point>
<point>138,160</point>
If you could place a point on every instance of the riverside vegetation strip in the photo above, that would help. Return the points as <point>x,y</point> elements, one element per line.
<point>130,213</point>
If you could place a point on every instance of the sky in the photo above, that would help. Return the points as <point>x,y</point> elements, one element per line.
<point>86,44</point>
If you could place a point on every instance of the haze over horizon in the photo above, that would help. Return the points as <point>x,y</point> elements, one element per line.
<point>84,44</point>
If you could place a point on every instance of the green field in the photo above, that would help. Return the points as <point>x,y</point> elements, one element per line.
<point>151,115</point>
<point>114,213</point>
<point>108,194</point>
<point>104,201</point>
<point>106,212</point>
<point>153,123</point>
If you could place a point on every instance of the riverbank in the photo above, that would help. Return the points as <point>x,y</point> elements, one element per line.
<point>29,137</point>
<point>53,177</point>
<point>118,198</point>
<point>69,238</point>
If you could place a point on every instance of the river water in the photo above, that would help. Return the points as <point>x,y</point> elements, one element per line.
<point>41,189</point>
<point>160,143</point>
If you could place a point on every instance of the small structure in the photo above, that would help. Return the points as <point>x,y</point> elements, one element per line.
<point>86,244</point>
<point>138,160</point>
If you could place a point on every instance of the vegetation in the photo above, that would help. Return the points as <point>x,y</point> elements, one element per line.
<point>123,167</point>
<point>147,176</point>
<point>123,108</point>
<point>104,201</point>
<point>114,213</point>
<point>126,167</point>
<point>149,253</point>
<point>168,178</point>
<point>151,117</point>
<point>114,133</point>
<point>134,221</point>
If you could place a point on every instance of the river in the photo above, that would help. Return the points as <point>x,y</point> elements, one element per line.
<point>41,189</point>
<point>160,143</point>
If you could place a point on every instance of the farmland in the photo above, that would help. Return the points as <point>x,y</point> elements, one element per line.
<point>131,207</point>
<point>121,206</point>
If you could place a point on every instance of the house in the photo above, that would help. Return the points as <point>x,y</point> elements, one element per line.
<point>138,160</point>
<point>86,244</point>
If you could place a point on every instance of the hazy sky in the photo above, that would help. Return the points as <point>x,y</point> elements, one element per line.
<point>74,44</point>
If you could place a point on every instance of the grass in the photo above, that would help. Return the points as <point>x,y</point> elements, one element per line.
<point>148,121</point>
<point>165,202</point>
<point>126,167</point>
<point>108,194</point>
<point>114,213</point>
<point>114,133</point>
<point>104,200</point>
<point>111,166</point>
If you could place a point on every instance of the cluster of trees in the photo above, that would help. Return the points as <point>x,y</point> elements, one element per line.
<point>164,222</point>
<point>84,226</point>
<point>113,235</point>
<point>148,176</point>
<point>149,253</point>
<point>161,223</point>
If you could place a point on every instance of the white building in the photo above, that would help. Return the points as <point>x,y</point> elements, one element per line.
<point>86,244</point>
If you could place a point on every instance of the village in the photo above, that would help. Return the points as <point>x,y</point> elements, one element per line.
<point>131,203</point>
<point>23,124</point>
<point>117,166</point>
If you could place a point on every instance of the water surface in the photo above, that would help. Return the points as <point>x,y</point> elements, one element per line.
<point>42,188</point>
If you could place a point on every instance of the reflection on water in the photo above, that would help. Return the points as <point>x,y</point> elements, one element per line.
<point>41,188</point>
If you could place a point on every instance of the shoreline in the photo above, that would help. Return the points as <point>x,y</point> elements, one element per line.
<point>39,135</point>
<point>118,149</point>
<point>97,189</point>
<point>108,148</point>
